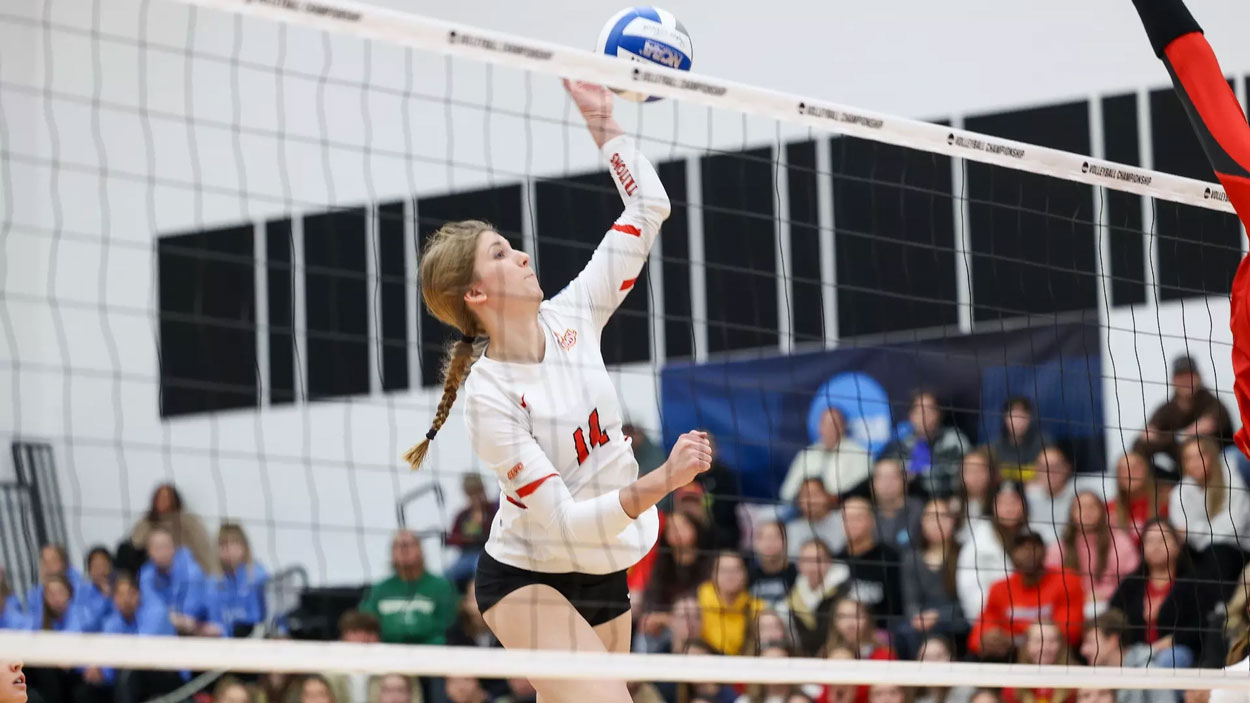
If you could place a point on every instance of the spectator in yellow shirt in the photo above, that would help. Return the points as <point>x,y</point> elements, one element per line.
<point>727,606</point>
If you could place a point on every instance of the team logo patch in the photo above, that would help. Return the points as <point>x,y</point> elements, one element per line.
<point>515,470</point>
<point>568,339</point>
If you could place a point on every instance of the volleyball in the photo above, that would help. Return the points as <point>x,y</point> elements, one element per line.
<point>646,35</point>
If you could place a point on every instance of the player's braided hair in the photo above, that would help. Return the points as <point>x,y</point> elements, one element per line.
<point>446,273</point>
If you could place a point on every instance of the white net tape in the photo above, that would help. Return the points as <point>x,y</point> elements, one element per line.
<point>296,657</point>
<point>526,54</point>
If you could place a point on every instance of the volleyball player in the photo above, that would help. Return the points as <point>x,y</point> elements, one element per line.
<point>542,412</point>
<point>12,682</point>
<point>1221,126</point>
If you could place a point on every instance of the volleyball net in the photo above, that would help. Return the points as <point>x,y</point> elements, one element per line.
<point>211,216</point>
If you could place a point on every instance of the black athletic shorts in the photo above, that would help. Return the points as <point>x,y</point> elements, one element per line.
<point>599,599</point>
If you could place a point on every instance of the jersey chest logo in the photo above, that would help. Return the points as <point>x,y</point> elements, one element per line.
<point>567,339</point>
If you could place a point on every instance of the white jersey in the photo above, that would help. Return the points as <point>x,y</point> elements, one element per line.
<point>551,430</point>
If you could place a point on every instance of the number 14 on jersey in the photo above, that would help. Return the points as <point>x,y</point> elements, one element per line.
<point>598,438</point>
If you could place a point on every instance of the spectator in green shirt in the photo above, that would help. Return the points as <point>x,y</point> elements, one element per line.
<point>414,606</point>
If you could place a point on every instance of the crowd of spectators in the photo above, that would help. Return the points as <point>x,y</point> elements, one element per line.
<point>933,549</point>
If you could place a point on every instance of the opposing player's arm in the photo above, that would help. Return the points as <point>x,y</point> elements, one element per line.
<point>1211,104</point>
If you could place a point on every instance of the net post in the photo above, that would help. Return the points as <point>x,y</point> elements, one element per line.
<point>963,253</point>
<point>781,236</point>
<point>826,219</point>
<point>1102,218</point>
<point>298,300</point>
<point>698,274</point>
<point>261,271</point>
<point>1150,243</point>
<point>412,293</point>
<point>529,241</point>
<point>373,302</point>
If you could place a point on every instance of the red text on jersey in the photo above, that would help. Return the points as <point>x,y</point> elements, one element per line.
<point>623,175</point>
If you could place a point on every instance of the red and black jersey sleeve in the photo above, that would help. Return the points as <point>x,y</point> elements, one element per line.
<point>1221,127</point>
<point>1211,104</point>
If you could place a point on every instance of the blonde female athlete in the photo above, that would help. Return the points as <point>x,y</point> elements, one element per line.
<point>542,412</point>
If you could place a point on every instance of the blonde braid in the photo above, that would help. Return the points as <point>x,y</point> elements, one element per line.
<point>446,272</point>
<point>460,358</point>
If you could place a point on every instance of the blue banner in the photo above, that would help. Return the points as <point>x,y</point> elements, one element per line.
<point>763,411</point>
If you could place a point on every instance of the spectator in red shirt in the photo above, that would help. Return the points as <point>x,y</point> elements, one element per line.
<point>1138,497</point>
<point>838,694</point>
<point>470,529</point>
<point>1031,594</point>
<point>853,629</point>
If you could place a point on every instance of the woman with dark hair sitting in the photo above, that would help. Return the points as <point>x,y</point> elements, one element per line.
<point>168,511</point>
<point>930,597</point>
<point>681,564</point>
<point>94,597</point>
<point>54,613</point>
<point>53,561</point>
<point>1161,600</point>
<point>1021,441</point>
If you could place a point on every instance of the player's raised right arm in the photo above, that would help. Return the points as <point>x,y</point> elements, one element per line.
<point>1211,104</point>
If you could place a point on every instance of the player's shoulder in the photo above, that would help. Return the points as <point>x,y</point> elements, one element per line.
<point>487,393</point>
<point>568,308</point>
<point>481,388</point>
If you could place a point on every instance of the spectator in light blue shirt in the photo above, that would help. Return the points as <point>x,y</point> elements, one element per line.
<point>94,594</point>
<point>172,575</point>
<point>53,561</point>
<point>132,613</point>
<point>56,612</point>
<point>235,599</point>
<point>12,615</point>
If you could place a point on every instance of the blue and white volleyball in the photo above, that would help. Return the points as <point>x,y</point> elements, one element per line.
<point>646,35</point>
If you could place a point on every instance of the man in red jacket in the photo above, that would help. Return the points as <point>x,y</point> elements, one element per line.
<point>1221,128</point>
<point>1032,594</point>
